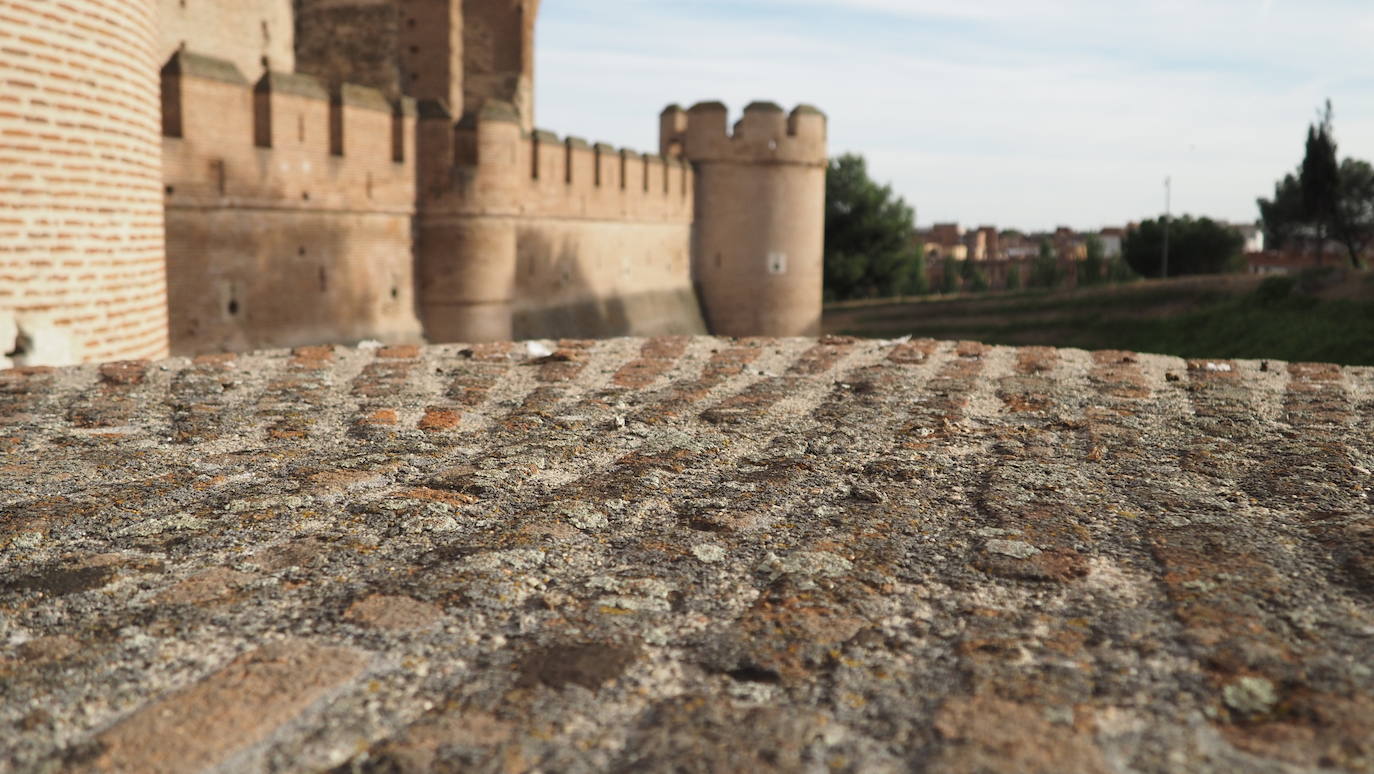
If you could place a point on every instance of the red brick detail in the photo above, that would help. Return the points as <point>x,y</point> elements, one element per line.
<point>218,359</point>
<point>124,372</point>
<point>312,358</point>
<point>971,349</point>
<point>913,352</point>
<point>384,417</point>
<point>228,712</point>
<point>656,357</point>
<point>564,365</point>
<point>440,419</point>
<point>1036,360</point>
<point>402,352</point>
<point>395,613</point>
<point>822,357</point>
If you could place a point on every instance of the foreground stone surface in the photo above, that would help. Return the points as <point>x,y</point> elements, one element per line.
<point>688,555</point>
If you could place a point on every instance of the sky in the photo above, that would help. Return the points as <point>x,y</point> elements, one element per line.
<point>1025,114</point>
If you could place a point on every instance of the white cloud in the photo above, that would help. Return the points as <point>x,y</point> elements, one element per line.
<point>1025,113</point>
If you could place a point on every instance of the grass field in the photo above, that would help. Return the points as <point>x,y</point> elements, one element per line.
<point>1319,318</point>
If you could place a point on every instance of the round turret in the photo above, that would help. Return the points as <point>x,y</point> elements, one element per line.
<point>86,278</point>
<point>760,218</point>
<point>467,258</point>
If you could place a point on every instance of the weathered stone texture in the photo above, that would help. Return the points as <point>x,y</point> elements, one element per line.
<point>687,554</point>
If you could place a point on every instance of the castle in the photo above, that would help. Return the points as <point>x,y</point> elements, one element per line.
<point>186,176</point>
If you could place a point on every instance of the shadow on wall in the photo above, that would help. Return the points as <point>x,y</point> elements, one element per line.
<point>557,295</point>
<point>242,280</point>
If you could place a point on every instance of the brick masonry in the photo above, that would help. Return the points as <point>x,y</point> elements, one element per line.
<point>81,219</point>
<point>753,554</point>
<point>299,207</point>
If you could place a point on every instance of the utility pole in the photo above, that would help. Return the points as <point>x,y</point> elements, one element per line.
<point>1168,189</point>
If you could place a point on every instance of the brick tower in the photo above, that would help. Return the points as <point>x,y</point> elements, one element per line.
<point>82,272</point>
<point>760,214</point>
<point>472,127</point>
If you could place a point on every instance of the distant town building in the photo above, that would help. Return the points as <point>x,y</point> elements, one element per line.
<point>1111,241</point>
<point>1253,235</point>
<point>943,240</point>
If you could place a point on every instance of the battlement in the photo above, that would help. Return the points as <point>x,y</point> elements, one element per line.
<point>765,134</point>
<point>499,168</point>
<point>284,141</point>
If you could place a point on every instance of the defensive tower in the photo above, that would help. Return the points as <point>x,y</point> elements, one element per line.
<point>760,214</point>
<point>81,218</point>
<point>458,52</point>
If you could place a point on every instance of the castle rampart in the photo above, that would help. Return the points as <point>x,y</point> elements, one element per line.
<point>461,52</point>
<point>528,233</point>
<point>283,191</point>
<point>81,251</point>
<point>374,165</point>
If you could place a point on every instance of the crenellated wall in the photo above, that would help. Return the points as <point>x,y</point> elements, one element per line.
<point>289,209</point>
<point>527,234</point>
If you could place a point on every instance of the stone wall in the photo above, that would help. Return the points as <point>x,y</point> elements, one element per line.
<point>688,554</point>
<point>81,255</point>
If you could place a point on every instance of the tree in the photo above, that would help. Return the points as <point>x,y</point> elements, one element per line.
<point>1013,277</point>
<point>869,247</point>
<point>1319,177</point>
<point>1354,221</point>
<point>1283,218</point>
<point>1044,271</point>
<point>1094,264</point>
<point>975,280</point>
<point>949,275</point>
<point>1324,200</point>
<point>1196,246</point>
<point>1120,271</point>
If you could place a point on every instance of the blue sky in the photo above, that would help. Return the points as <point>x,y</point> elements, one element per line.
<point>1019,113</point>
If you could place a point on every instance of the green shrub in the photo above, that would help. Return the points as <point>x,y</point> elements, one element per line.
<point>1274,289</point>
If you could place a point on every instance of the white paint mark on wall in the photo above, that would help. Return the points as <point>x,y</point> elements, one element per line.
<point>29,340</point>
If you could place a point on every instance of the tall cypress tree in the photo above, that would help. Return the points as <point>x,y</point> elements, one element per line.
<point>1320,177</point>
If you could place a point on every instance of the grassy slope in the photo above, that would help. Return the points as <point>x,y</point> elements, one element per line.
<point>1191,317</point>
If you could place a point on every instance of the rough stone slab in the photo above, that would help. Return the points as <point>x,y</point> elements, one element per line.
<point>651,554</point>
